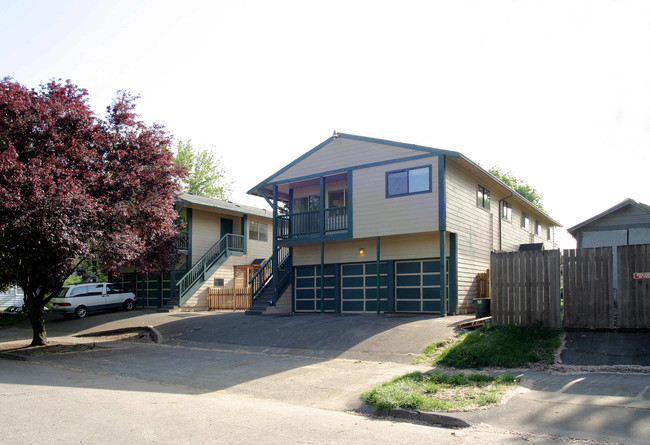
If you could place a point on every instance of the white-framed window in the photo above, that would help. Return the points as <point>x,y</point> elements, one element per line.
<point>337,198</point>
<point>258,231</point>
<point>525,221</point>
<point>538,228</point>
<point>483,197</point>
<point>409,181</point>
<point>549,234</point>
<point>506,211</point>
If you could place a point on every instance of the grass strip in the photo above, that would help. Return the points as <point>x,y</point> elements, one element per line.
<point>502,346</point>
<point>440,392</point>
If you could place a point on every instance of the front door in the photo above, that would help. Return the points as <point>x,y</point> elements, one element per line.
<point>226,226</point>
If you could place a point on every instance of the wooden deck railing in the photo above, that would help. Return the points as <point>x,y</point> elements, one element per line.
<point>228,298</point>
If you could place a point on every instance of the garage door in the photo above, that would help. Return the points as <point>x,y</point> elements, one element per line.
<point>359,288</point>
<point>307,285</point>
<point>417,286</point>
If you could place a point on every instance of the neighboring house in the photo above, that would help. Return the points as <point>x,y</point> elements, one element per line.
<point>354,203</point>
<point>14,296</point>
<point>628,222</point>
<point>219,235</point>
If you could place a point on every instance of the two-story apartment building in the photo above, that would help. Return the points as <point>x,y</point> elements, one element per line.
<point>218,235</point>
<point>370,225</point>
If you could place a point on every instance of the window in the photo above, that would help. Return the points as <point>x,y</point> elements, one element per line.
<point>538,228</point>
<point>525,221</point>
<point>306,203</point>
<point>483,198</point>
<point>506,211</point>
<point>337,198</point>
<point>549,233</point>
<point>408,182</point>
<point>258,231</point>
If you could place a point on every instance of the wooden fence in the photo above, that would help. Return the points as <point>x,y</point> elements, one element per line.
<point>633,286</point>
<point>234,299</point>
<point>483,285</point>
<point>526,288</point>
<point>588,288</point>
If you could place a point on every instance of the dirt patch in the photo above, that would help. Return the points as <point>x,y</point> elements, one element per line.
<point>65,348</point>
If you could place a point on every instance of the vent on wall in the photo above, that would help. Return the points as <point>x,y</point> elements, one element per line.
<point>218,282</point>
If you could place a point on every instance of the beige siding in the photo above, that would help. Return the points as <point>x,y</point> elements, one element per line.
<point>478,229</point>
<point>376,215</point>
<point>344,153</point>
<point>206,232</point>
<point>424,245</point>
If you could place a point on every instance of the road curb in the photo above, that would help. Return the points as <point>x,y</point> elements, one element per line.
<point>428,417</point>
<point>156,336</point>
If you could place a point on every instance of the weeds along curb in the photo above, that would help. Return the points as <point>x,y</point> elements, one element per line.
<point>427,417</point>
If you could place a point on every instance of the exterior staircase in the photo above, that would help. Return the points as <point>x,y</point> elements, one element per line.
<point>189,283</point>
<point>265,291</point>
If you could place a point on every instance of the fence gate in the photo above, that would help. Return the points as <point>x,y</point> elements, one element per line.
<point>633,286</point>
<point>588,288</point>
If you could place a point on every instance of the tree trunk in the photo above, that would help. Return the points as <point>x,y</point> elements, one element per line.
<point>35,314</point>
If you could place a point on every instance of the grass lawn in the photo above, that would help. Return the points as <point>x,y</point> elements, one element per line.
<point>501,346</point>
<point>440,392</point>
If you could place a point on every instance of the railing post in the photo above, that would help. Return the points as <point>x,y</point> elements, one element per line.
<point>321,215</point>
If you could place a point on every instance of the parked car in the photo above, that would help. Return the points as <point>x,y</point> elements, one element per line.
<point>79,299</point>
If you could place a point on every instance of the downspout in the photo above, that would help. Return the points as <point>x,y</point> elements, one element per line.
<point>501,219</point>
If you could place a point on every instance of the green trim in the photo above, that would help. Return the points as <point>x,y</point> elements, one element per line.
<point>321,210</point>
<point>314,239</point>
<point>378,276</point>
<point>442,193</point>
<point>322,278</point>
<point>453,273</point>
<point>350,206</point>
<point>244,231</point>
<point>345,169</point>
<point>267,181</point>
<point>443,273</point>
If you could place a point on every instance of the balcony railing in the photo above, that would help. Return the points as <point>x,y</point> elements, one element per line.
<point>183,240</point>
<point>307,224</point>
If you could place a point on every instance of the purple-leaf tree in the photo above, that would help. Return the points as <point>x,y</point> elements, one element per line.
<point>74,187</point>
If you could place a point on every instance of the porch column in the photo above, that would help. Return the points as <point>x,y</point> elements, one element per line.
<point>443,273</point>
<point>274,260</point>
<point>321,215</point>
<point>378,277</point>
<point>244,227</point>
<point>453,273</point>
<point>322,277</point>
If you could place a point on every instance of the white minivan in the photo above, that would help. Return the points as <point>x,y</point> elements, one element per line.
<point>79,299</point>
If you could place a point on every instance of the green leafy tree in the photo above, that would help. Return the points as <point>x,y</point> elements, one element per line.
<point>519,186</point>
<point>205,176</point>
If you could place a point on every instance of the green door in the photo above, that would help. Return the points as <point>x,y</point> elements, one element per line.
<point>359,288</point>
<point>417,286</point>
<point>226,226</point>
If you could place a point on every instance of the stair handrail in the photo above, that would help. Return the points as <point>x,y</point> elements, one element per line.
<point>263,276</point>
<point>197,272</point>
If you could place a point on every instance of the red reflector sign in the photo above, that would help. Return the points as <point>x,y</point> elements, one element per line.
<point>641,275</point>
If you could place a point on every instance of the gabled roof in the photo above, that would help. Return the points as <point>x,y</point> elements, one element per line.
<point>219,204</point>
<point>422,151</point>
<point>611,210</point>
<point>419,148</point>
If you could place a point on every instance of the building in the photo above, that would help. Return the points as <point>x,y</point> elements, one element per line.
<point>219,235</point>
<point>626,223</point>
<point>358,220</point>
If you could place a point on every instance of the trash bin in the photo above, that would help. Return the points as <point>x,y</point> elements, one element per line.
<point>482,307</point>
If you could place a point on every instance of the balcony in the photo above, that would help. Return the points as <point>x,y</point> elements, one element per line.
<point>309,225</point>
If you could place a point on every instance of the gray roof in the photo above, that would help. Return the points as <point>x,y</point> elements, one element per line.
<point>617,207</point>
<point>212,203</point>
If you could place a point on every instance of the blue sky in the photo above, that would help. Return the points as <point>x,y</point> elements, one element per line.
<point>555,91</point>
